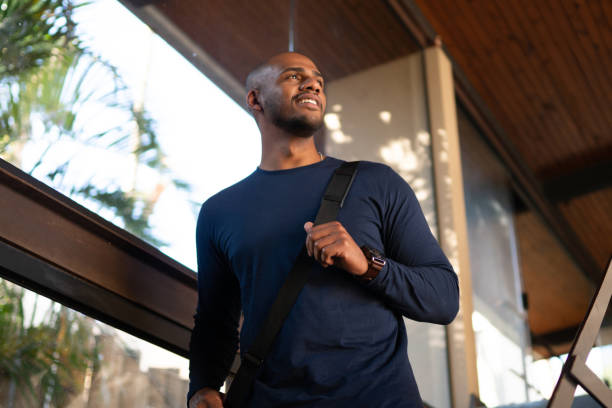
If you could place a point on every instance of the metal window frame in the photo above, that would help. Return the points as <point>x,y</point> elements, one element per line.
<point>56,247</point>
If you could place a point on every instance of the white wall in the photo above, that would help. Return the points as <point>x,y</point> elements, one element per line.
<point>381,115</point>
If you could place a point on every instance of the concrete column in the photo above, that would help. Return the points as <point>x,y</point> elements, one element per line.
<point>451,216</point>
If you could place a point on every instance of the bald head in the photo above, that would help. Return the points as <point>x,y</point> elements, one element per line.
<point>259,77</point>
<point>286,92</point>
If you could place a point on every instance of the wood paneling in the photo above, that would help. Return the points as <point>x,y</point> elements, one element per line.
<point>558,294</point>
<point>342,37</point>
<point>55,246</point>
<point>544,70</point>
<point>590,216</point>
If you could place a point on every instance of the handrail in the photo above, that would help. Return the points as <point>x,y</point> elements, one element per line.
<point>54,246</point>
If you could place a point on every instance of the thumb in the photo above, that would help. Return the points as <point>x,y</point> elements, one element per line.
<point>308,226</point>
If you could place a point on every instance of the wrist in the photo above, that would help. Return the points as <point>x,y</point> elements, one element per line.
<point>363,268</point>
<point>375,263</point>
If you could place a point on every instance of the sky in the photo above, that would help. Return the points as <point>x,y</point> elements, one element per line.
<point>210,141</point>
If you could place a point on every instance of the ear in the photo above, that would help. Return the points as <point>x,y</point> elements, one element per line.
<point>253,101</point>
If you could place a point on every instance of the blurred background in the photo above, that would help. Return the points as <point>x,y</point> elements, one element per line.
<point>119,118</point>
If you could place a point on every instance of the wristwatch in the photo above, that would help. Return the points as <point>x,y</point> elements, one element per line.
<point>376,262</point>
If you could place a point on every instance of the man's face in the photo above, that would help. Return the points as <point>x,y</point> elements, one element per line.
<point>294,97</point>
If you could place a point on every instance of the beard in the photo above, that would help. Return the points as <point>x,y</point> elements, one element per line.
<point>297,124</point>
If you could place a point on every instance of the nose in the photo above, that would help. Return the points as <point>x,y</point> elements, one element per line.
<point>311,84</point>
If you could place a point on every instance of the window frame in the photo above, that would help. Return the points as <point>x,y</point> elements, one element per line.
<point>56,247</point>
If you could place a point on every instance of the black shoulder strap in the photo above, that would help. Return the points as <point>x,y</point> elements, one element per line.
<point>332,201</point>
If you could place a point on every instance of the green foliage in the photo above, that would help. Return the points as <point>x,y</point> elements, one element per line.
<point>125,206</point>
<point>47,360</point>
<point>30,31</point>
<point>51,82</point>
<point>49,86</point>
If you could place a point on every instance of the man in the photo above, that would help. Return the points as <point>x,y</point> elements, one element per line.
<point>344,343</point>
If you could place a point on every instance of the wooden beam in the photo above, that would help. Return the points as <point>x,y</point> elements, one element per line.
<point>418,27</point>
<point>562,336</point>
<point>148,12</point>
<point>30,272</point>
<point>581,181</point>
<point>56,247</point>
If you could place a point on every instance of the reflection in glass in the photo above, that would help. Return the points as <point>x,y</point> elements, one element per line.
<point>499,319</point>
<point>53,356</point>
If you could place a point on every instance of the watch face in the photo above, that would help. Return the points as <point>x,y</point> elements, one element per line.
<point>378,261</point>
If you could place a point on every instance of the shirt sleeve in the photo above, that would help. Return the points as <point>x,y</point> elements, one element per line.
<point>418,280</point>
<point>214,338</point>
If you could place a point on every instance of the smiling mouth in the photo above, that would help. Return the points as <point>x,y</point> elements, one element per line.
<point>308,101</point>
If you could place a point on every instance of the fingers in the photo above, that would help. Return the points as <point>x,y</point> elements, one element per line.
<point>308,228</point>
<point>314,233</point>
<point>326,241</point>
<point>332,252</point>
<point>207,398</point>
<point>322,249</point>
<point>331,244</point>
<point>319,231</point>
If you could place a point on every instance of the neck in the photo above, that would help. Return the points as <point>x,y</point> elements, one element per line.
<point>282,151</point>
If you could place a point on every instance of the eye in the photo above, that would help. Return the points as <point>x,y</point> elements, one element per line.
<point>292,76</point>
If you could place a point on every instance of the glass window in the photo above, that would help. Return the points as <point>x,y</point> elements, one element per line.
<point>499,319</point>
<point>544,373</point>
<point>96,105</point>
<point>99,107</point>
<point>53,356</point>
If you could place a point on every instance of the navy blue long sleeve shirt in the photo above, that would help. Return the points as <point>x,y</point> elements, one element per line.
<point>344,342</point>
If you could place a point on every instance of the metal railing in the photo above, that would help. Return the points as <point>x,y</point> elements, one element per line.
<point>575,371</point>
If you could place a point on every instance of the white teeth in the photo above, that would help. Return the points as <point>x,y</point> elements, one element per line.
<point>312,101</point>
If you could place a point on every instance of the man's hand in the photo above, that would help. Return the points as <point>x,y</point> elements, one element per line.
<point>330,244</point>
<point>207,398</point>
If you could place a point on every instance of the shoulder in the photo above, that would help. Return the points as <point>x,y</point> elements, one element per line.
<point>384,184</point>
<point>225,201</point>
<point>371,168</point>
<point>381,175</point>
<point>377,177</point>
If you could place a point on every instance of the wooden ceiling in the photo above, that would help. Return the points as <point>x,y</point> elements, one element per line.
<point>541,68</point>
<point>342,37</point>
<point>544,69</point>
<point>558,294</point>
